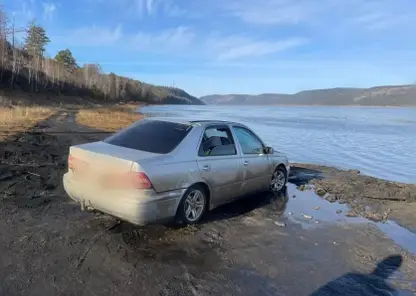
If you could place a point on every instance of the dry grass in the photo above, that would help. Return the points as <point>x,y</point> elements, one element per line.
<point>108,119</point>
<point>18,119</point>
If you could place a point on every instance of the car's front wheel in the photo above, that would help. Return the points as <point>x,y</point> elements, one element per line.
<point>192,205</point>
<point>278,180</point>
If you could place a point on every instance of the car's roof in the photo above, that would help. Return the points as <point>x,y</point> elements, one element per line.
<point>190,122</point>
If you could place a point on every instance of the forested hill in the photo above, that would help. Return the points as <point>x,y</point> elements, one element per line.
<point>398,95</point>
<point>25,67</point>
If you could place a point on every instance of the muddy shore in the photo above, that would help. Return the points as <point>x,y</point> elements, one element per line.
<point>263,245</point>
<point>369,197</point>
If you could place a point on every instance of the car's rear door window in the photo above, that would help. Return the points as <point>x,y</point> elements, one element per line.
<point>154,136</point>
<point>217,141</point>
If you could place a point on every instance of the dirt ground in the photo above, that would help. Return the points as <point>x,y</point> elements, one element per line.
<point>295,243</point>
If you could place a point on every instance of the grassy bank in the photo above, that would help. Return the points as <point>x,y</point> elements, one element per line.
<point>19,119</point>
<point>108,118</point>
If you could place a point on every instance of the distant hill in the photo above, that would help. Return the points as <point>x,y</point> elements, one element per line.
<point>400,95</point>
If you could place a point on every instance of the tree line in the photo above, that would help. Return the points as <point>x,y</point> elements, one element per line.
<point>26,67</point>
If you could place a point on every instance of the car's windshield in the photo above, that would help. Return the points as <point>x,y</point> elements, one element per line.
<point>151,136</point>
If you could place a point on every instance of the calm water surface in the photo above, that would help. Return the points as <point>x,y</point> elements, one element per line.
<point>378,141</point>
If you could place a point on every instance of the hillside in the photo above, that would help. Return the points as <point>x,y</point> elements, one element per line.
<point>49,78</point>
<point>400,95</point>
<point>25,69</point>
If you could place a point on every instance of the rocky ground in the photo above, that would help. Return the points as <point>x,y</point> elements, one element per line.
<point>295,243</point>
<point>372,198</point>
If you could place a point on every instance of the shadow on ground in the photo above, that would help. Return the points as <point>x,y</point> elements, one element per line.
<point>372,284</point>
<point>248,204</point>
<point>275,203</point>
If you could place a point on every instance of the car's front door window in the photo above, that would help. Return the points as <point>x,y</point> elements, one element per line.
<point>249,143</point>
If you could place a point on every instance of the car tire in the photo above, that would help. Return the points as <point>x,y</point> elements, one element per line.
<point>192,206</point>
<point>278,180</point>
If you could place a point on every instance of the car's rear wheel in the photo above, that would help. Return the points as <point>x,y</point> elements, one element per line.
<point>192,206</point>
<point>278,180</point>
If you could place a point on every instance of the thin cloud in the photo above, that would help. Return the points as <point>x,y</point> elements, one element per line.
<point>24,12</point>
<point>378,17</point>
<point>269,12</point>
<point>167,40</point>
<point>49,10</point>
<point>236,47</point>
<point>315,14</point>
<point>92,36</point>
<point>153,7</point>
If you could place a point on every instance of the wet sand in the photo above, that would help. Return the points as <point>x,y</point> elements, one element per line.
<point>293,243</point>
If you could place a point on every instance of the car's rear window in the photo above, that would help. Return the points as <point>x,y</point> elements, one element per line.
<point>154,136</point>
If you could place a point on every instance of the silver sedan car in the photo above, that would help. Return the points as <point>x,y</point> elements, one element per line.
<point>161,169</point>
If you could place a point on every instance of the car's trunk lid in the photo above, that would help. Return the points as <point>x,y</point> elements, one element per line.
<point>100,159</point>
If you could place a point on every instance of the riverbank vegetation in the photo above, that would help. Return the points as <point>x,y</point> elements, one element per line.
<point>107,119</point>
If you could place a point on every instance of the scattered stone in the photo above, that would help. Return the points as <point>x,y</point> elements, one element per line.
<point>316,208</point>
<point>341,201</point>
<point>330,197</point>
<point>376,217</point>
<point>302,187</point>
<point>307,217</point>
<point>339,211</point>
<point>290,213</point>
<point>386,214</point>
<point>336,244</point>
<point>42,125</point>
<point>355,172</point>
<point>316,222</point>
<point>280,224</point>
<point>320,191</point>
<point>305,187</point>
<point>294,196</point>
<point>50,185</point>
<point>6,176</point>
<point>352,213</point>
<point>316,244</point>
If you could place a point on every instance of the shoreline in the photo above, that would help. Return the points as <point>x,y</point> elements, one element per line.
<point>340,168</point>
<point>369,197</point>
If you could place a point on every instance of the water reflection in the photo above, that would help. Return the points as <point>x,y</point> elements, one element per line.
<point>319,212</point>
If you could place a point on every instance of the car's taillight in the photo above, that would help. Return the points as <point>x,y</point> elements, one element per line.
<point>71,162</point>
<point>140,180</point>
<point>74,163</point>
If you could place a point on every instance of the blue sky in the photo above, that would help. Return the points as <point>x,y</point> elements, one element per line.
<point>235,46</point>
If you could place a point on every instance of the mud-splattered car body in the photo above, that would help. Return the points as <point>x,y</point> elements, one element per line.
<point>142,173</point>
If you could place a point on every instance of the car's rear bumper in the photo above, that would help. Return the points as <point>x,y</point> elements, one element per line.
<point>138,207</point>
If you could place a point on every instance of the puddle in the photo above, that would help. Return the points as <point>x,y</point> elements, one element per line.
<point>399,235</point>
<point>309,210</point>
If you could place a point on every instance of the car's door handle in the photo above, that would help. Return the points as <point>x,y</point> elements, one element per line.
<point>206,168</point>
<point>246,163</point>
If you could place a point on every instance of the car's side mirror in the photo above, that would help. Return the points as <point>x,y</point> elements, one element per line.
<point>269,150</point>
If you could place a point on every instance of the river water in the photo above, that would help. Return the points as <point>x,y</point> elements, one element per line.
<point>380,142</point>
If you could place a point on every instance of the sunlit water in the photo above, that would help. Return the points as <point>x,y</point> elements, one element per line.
<point>377,141</point>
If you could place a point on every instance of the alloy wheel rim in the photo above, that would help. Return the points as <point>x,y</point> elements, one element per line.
<point>278,181</point>
<point>194,205</point>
